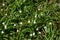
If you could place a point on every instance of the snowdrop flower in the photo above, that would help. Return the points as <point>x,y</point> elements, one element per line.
<point>30,34</point>
<point>20,11</point>
<point>2,32</point>
<point>33,33</point>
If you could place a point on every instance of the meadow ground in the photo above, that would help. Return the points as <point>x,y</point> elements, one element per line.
<point>29,19</point>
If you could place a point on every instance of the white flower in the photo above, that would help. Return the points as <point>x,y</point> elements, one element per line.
<point>2,32</point>
<point>20,11</point>
<point>39,9</point>
<point>50,23</point>
<point>41,14</point>
<point>3,23</point>
<point>45,27</point>
<point>29,39</point>
<point>37,29</point>
<point>28,21</point>
<point>17,30</point>
<point>6,14</point>
<point>35,15</point>
<point>33,33</point>
<point>20,23</point>
<point>34,22</point>
<point>3,4</point>
<point>30,34</point>
<point>39,32</point>
<point>14,24</point>
<point>1,9</point>
<point>5,26</point>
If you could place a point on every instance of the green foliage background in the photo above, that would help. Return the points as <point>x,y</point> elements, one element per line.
<point>23,17</point>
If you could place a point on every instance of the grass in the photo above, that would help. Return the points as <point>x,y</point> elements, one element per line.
<point>29,20</point>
